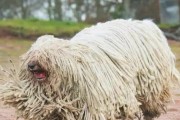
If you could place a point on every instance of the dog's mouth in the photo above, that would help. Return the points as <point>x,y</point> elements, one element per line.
<point>38,73</point>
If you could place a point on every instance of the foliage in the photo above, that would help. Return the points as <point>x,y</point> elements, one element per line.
<point>32,28</point>
<point>168,26</point>
<point>118,13</point>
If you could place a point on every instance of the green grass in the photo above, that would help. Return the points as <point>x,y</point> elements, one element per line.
<point>27,28</point>
<point>168,26</point>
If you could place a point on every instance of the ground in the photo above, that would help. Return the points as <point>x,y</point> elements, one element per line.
<point>173,111</point>
<point>8,48</point>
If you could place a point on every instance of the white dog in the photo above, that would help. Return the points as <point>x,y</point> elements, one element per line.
<point>110,71</point>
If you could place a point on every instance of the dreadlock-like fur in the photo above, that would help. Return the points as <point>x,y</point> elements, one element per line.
<point>114,70</point>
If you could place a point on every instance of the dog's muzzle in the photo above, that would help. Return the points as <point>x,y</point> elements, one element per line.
<point>38,72</point>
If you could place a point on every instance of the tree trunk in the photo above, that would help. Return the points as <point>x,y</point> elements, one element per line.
<point>179,9</point>
<point>49,9</point>
<point>78,13</point>
<point>58,10</point>
<point>23,9</point>
<point>101,14</point>
<point>127,8</point>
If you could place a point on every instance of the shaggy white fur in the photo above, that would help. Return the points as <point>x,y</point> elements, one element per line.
<point>110,71</point>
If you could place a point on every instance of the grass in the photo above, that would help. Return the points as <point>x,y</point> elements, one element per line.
<point>168,26</point>
<point>27,28</point>
<point>32,28</point>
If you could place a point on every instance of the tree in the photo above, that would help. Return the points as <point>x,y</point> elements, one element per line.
<point>57,10</point>
<point>50,9</point>
<point>179,9</point>
<point>127,8</point>
<point>150,9</point>
<point>9,8</point>
<point>79,11</point>
<point>25,9</point>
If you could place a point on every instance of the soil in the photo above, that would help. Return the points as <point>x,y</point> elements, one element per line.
<point>173,112</point>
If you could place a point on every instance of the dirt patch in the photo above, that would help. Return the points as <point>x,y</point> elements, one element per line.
<point>173,108</point>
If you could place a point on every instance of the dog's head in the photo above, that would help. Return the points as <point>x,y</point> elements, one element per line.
<point>42,61</point>
<point>45,81</point>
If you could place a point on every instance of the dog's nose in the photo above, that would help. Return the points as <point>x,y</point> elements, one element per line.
<point>31,66</point>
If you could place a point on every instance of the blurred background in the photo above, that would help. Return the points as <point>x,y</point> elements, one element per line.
<point>91,11</point>
<point>22,21</point>
<point>31,18</point>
